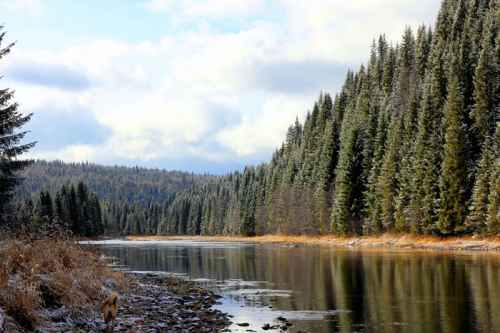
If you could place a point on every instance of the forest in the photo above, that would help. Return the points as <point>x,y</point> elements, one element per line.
<point>410,144</point>
<point>128,200</point>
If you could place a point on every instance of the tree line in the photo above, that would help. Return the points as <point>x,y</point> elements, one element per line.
<point>132,199</point>
<point>410,144</point>
<point>73,209</point>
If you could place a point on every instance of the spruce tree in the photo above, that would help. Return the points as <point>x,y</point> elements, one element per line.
<point>493,216</point>
<point>387,184</point>
<point>11,120</point>
<point>452,210</point>
<point>328,160</point>
<point>346,176</point>
<point>485,80</point>
<point>476,221</point>
<point>493,213</point>
<point>372,223</point>
<point>423,201</point>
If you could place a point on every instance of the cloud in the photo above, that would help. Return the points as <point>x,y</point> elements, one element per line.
<point>71,153</point>
<point>55,129</point>
<point>48,75</point>
<point>33,7</point>
<point>264,130</point>
<point>213,9</point>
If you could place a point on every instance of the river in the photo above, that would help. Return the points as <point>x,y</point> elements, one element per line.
<point>324,289</point>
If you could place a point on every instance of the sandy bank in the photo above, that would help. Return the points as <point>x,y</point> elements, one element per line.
<point>408,242</point>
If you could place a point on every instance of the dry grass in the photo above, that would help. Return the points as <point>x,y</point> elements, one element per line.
<point>40,274</point>
<point>396,241</point>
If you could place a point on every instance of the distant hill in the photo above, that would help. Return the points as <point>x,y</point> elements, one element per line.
<point>111,183</point>
<point>132,199</point>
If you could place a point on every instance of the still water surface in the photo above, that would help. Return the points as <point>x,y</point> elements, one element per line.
<point>321,289</point>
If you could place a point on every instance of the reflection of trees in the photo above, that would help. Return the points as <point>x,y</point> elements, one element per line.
<point>384,292</point>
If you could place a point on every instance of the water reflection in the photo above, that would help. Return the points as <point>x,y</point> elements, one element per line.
<point>328,290</point>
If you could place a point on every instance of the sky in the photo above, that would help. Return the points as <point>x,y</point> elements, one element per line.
<point>195,85</point>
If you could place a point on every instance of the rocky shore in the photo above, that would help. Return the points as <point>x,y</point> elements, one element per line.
<point>166,304</point>
<point>150,303</point>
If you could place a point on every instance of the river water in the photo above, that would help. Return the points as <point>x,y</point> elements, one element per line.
<point>323,289</point>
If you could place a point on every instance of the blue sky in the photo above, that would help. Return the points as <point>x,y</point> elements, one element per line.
<point>196,85</point>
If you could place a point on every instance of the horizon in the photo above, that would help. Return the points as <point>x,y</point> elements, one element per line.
<point>184,85</point>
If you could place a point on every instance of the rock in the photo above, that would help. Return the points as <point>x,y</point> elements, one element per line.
<point>266,327</point>
<point>111,284</point>
<point>243,324</point>
<point>156,304</point>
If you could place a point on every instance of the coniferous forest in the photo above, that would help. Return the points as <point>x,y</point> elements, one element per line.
<point>410,144</point>
<point>128,200</point>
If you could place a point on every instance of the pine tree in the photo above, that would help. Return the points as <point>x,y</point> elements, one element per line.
<point>10,139</point>
<point>493,213</point>
<point>485,79</point>
<point>328,160</point>
<point>386,184</point>
<point>346,175</point>
<point>493,217</point>
<point>46,206</point>
<point>372,223</point>
<point>423,202</point>
<point>453,171</point>
<point>476,221</point>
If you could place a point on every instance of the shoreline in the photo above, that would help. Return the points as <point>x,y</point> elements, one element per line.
<point>156,302</point>
<point>62,291</point>
<point>383,242</point>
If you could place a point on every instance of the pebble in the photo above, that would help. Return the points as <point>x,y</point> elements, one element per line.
<point>157,304</point>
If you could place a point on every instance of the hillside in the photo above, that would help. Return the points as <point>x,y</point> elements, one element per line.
<point>111,183</point>
<point>132,198</point>
<point>410,143</point>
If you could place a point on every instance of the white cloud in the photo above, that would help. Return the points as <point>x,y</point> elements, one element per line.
<point>343,30</point>
<point>159,5</point>
<point>73,153</point>
<point>209,9</point>
<point>33,7</point>
<point>263,131</point>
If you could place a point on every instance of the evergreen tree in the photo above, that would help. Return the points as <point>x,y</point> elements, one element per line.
<point>493,214</point>
<point>476,221</point>
<point>452,211</point>
<point>493,217</point>
<point>328,160</point>
<point>485,81</point>
<point>10,139</point>
<point>347,174</point>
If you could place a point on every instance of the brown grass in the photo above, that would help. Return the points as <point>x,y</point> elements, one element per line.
<point>392,241</point>
<point>48,274</point>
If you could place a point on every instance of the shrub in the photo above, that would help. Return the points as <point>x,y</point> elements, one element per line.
<point>48,273</point>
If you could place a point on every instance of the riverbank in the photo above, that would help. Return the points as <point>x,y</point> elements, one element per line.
<point>402,242</point>
<point>156,303</point>
<point>58,286</point>
<point>51,285</point>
